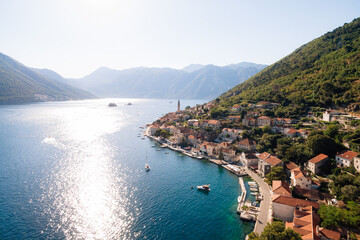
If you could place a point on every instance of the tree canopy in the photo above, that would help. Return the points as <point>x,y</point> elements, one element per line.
<point>276,231</point>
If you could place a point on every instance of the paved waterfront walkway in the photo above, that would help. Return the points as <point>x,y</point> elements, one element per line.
<point>264,215</point>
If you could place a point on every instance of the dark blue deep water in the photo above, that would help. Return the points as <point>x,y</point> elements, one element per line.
<point>75,170</point>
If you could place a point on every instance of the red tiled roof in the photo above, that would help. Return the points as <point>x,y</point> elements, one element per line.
<point>305,222</point>
<point>281,188</point>
<point>298,173</point>
<point>264,117</point>
<point>212,121</point>
<point>347,154</point>
<point>290,201</point>
<point>291,165</point>
<point>329,234</point>
<point>267,157</point>
<point>292,131</point>
<point>318,158</point>
<point>247,142</point>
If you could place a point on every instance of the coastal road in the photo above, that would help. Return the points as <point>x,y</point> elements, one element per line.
<point>264,215</point>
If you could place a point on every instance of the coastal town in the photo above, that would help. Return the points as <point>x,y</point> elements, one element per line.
<point>305,167</point>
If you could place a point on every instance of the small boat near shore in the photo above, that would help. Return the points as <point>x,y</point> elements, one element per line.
<point>204,188</point>
<point>147,166</point>
<point>239,199</point>
<point>112,104</point>
<point>254,189</point>
<point>254,193</point>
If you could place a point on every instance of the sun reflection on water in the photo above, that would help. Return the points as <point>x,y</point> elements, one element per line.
<point>88,196</point>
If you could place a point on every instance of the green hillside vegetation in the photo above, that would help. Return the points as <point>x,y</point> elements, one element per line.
<point>322,73</point>
<point>20,84</point>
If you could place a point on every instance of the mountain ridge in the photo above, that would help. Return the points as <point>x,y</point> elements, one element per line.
<point>21,84</point>
<point>196,81</point>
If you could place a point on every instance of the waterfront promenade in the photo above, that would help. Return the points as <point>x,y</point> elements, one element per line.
<point>265,212</point>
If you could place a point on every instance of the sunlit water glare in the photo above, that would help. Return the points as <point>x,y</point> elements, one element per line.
<point>75,170</point>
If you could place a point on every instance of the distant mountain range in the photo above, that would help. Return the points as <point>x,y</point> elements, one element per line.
<point>20,84</point>
<point>322,73</point>
<point>194,81</point>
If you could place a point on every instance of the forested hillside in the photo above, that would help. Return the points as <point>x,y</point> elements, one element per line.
<point>322,73</point>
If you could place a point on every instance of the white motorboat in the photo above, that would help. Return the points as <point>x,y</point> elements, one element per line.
<point>204,187</point>
<point>254,189</point>
<point>254,193</point>
<point>239,199</point>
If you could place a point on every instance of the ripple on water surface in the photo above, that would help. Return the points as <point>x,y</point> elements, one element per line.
<point>75,170</point>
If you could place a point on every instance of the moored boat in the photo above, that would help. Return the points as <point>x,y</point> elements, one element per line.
<point>204,188</point>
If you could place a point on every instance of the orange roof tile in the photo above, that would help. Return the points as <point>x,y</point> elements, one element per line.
<point>247,142</point>
<point>291,165</point>
<point>318,158</point>
<point>267,157</point>
<point>290,201</point>
<point>305,222</point>
<point>347,154</point>
<point>329,234</point>
<point>281,188</point>
<point>298,173</point>
<point>212,121</point>
<point>292,131</point>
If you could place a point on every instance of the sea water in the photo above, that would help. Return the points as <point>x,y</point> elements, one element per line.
<point>75,170</point>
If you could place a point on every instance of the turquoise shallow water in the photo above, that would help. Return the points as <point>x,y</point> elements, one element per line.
<point>76,170</point>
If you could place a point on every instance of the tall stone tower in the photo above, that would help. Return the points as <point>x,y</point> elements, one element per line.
<point>178,106</point>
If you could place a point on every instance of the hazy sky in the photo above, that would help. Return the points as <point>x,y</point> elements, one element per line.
<point>75,37</point>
